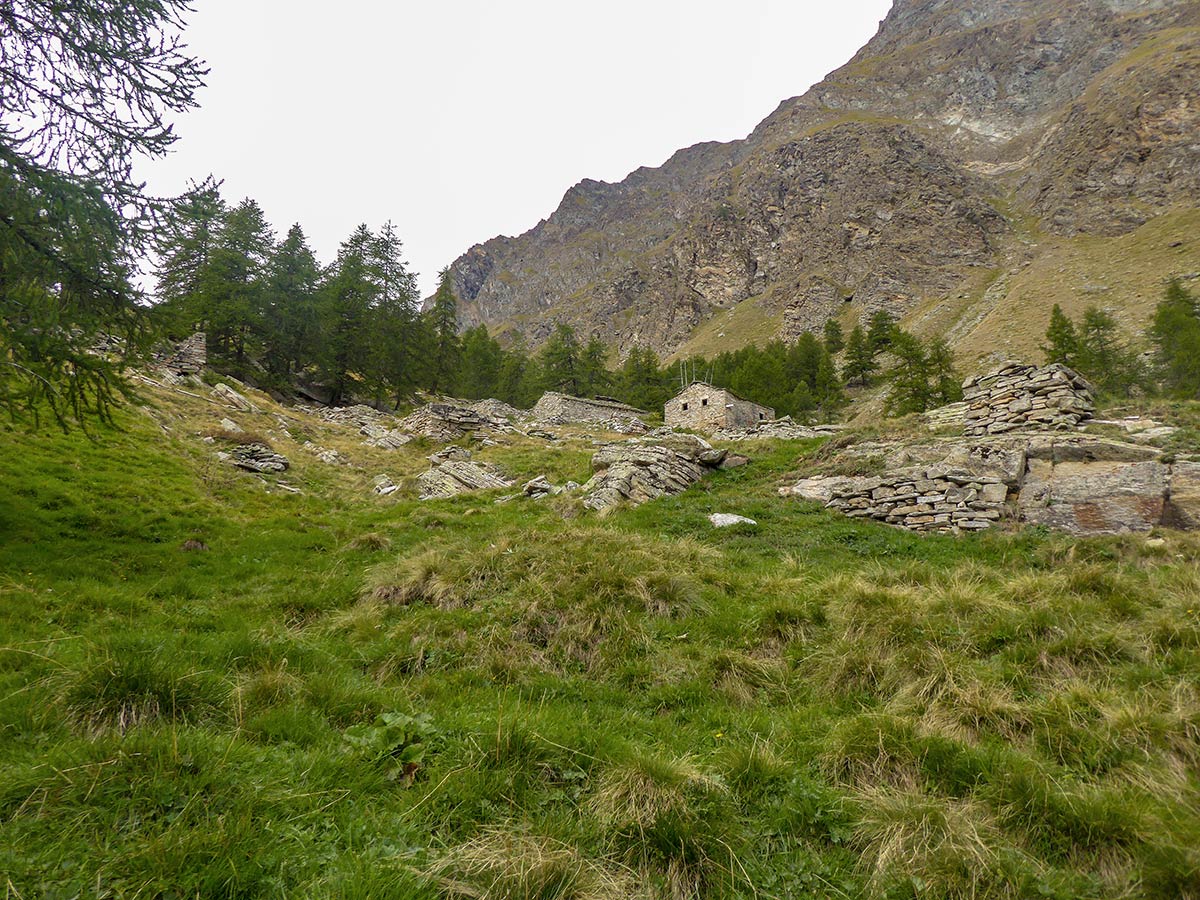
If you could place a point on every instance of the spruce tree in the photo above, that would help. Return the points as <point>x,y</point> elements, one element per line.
<point>397,337</point>
<point>480,366</point>
<point>293,278</point>
<point>910,379</point>
<point>234,283</point>
<point>442,320</point>
<point>594,378</point>
<point>347,298</point>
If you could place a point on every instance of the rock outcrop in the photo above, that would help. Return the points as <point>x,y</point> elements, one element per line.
<point>458,476</point>
<point>1019,397</point>
<point>645,469</point>
<point>225,394</point>
<point>444,422</point>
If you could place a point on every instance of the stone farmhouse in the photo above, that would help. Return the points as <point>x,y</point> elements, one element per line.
<point>562,409</point>
<point>702,407</point>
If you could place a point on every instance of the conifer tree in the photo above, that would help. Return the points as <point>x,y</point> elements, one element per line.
<point>560,360</point>
<point>910,377</point>
<point>1062,341</point>
<point>1175,333</point>
<point>835,341</point>
<point>233,284</point>
<point>860,362</point>
<point>185,247</point>
<point>880,331</point>
<point>442,320</point>
<point>593,368</point>
<point>397,337</point>
<point>480,366</point>
<point>291,309</point>
<point>85,89</point>
<point>347,298</point>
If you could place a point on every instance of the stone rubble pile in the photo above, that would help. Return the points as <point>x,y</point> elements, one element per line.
<point>950,417</point>
<point>358,416</point>
<point>189,357</point>
<point>383,485</point>
<point>257,458</point>
<point>498,409</point>
<point>457,476</point>
<point>644,469</point>
<point>624,425</point>
<point>444,422</point>
<point>1018,397</point>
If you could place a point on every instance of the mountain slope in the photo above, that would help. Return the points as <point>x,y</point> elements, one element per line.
<point>966,139</point>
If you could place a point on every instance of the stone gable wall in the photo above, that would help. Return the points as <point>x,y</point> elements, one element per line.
<point>723,410</point>
<point>1021,397</point>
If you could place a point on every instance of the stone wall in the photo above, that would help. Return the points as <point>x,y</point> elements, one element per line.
<point>1078,484</point>
<point>936,499</point>
<point>561,409</point>
<point>1020,397</point>
<point>189,357</point>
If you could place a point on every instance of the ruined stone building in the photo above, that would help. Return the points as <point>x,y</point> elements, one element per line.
<point>562,409</point>
<point>702,407</point>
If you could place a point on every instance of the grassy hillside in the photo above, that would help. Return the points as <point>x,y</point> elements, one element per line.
<point>353,697</point>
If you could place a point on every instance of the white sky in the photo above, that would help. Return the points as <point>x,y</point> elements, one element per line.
<point>463,119</point>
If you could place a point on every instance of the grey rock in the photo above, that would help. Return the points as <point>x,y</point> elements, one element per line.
<point>226,394</point>
<point>454,477</point>
<point>258,458</point>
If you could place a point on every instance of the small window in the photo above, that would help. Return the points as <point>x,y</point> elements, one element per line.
<point>685,407</point>
<point>704,402</point>
<point>761,416</point>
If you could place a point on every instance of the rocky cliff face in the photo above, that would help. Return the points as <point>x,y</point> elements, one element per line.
<point>962,139</point>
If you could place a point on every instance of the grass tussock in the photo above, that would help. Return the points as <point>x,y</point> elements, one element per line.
<point>503,863</point>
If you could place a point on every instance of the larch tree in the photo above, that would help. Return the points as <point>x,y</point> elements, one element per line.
<point>85,88</point>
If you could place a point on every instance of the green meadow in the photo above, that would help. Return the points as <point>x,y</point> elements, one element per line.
<point>338,695</point>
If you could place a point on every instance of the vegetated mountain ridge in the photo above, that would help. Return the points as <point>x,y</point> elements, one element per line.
<point>975,162</point>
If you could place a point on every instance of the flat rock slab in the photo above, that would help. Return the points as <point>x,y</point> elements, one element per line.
<point>1099,497</point>
<point>456,476</point>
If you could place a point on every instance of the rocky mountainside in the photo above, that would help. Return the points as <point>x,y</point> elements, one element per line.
<point>975,162</point>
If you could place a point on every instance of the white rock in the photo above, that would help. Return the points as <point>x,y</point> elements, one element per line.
<point>724,520</point>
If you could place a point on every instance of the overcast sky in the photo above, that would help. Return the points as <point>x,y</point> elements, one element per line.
<point>463,119</point>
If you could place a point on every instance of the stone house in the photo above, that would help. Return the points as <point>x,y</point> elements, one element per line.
<point>702,407</point>
<point>562,409</point>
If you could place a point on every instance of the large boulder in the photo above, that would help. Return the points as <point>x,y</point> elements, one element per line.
<point>637,473</point>
<point>1095,497</point>
<point>1183,501</point>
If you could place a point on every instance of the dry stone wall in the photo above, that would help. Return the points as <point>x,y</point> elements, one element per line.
<point>1078,484</point>
<point>1020,397</point>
